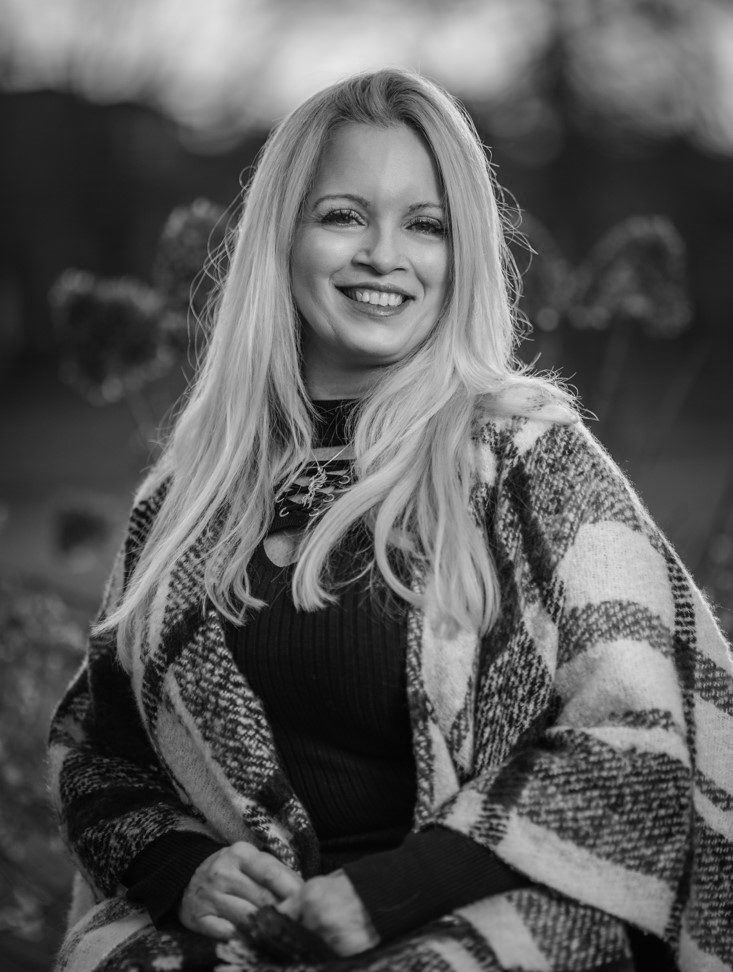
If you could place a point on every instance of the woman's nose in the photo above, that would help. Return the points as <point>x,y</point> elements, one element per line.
<point>381,250</point>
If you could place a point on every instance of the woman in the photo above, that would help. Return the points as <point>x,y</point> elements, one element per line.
<point>391,646</point>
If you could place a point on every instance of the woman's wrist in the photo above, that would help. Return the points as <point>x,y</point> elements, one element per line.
<point>159,875</point>
<point>430,874</point>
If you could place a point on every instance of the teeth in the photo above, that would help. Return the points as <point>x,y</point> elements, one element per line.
<point>377,297</point>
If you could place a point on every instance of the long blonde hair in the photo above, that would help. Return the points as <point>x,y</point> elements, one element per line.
<point>248,423</point>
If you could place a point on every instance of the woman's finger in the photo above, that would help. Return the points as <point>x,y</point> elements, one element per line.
<point>233,909</point>
<point>234,882</point>
<point>266,870</point>
<point>214,927</point>
<point>290,907</point>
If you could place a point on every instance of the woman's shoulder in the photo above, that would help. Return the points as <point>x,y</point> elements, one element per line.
<point>528,439</point>
<point>557,467</point>
<point>149,496</point>
<point>155,482</point>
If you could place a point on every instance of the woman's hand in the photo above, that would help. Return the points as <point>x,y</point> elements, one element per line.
<point>329,906</point>
<point>230,885</point>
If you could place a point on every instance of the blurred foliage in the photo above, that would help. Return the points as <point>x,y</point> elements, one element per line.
<point>83,523</point>
<point>634,277</point>
<point>40,644</point>
<point>108,333</point>
<point>636,272</point>
<point>192,241</point>
<point>40,647</point>
<point>547,277</point>
<point>115,337</point>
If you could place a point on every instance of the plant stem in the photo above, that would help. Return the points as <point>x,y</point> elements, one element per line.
<point>142,415</point>
<point>671,405</point>
<point>612,369</point>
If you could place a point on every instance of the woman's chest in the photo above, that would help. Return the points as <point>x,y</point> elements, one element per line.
<point>342,665</point>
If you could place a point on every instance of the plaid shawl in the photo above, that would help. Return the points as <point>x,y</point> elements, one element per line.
<point>586,740</point>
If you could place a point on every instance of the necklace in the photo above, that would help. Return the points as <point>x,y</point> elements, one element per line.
<point>319,480</point>
<point>321,486</point>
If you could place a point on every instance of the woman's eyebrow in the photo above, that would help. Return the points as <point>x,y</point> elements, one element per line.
<point>344,195</point>
<point>361,201</point>
<point>424,205</point>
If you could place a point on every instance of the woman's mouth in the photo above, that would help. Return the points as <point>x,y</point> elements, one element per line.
<point>380,302</point>
<point>376,297</point>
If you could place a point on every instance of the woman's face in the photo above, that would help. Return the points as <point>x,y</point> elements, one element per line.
<point>370,259</point>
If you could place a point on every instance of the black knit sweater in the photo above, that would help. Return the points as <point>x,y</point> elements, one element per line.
<point>333,686</point>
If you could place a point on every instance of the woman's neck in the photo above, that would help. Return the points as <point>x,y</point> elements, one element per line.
<point>326,383</point>
<point>333,416</point>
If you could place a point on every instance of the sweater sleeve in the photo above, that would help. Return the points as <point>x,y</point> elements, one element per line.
<point>430,874</point>
<point>110,793</point>
<point>160,873</point>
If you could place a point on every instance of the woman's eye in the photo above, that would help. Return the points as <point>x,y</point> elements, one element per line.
<point>340,217</point>
<point>430,226</point>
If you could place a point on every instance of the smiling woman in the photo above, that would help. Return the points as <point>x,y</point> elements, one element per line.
<point>393,663</point>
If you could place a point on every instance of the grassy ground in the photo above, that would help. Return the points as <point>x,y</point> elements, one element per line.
<point>41,643</point>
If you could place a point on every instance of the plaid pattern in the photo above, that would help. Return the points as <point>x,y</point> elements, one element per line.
<point>586,739</point>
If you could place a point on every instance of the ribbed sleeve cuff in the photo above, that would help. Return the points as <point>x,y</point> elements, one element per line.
<point>160,873</point>
<point>430,874</point>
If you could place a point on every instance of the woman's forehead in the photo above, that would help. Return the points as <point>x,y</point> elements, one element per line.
<point>377,164</point>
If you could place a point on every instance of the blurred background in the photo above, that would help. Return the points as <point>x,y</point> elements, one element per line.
<point>126,131</point>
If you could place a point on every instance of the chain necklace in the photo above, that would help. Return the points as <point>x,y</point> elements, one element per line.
<point>319,491</point>
<point>319,480</point>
